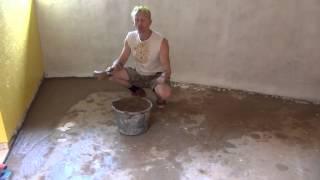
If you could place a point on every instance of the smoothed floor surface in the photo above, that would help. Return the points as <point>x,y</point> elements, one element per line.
<point>203,133</point>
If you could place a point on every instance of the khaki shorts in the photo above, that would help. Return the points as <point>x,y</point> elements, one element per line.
<point>142,81</point>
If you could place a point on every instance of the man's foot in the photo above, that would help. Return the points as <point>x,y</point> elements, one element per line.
<point>138,92</point>
<point>161,103</point>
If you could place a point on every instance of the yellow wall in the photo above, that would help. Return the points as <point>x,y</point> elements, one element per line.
<point>3,135</point>
<point>21,68</point>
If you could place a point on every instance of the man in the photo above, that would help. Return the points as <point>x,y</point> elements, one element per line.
<point>151,54</point>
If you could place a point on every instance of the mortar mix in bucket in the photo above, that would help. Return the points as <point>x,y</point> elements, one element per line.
<point>132,115</point>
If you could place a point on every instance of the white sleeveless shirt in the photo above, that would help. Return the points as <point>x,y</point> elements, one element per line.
<point>146,53</point>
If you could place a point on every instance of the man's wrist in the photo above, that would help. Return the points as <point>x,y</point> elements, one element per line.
<point>165,75</point>
<point>117,63</point>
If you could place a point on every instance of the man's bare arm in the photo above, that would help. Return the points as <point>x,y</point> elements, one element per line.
<point>164,59</point>
<point>123,58</point>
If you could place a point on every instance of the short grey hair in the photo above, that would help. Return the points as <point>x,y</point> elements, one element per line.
<point>141,8</point>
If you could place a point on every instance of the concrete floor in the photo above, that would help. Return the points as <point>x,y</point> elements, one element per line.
<point>203,133</point>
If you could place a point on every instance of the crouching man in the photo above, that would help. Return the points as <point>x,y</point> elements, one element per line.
<point>150,51</point>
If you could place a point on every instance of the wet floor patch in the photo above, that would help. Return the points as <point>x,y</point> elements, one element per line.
<point>201,134</point>
<point>282,167</point>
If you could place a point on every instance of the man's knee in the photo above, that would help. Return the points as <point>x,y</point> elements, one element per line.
<point>121,74</point>
<point>163,90</point>
<point>113,77</point>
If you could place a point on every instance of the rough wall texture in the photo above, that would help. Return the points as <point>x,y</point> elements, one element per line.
<point>21,67</point>
<point>269,47</point>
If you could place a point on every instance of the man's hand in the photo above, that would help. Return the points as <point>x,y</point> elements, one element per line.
<point>100,75</point>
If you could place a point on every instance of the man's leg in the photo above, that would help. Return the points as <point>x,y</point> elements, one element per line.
<point>122,77</point>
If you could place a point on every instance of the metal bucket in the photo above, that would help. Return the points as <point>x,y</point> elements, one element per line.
<point>132,115</point>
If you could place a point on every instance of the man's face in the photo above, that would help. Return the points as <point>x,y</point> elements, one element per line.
<point>142,22</point>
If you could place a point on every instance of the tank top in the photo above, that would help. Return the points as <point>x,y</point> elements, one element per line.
<point>146,53</point>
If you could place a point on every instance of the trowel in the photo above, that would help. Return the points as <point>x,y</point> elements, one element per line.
<point>107,72</point>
